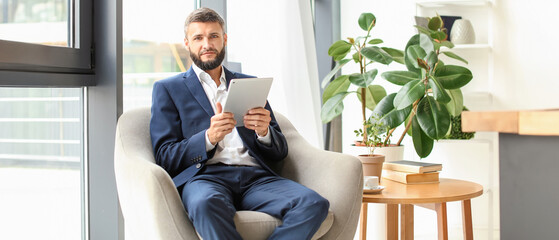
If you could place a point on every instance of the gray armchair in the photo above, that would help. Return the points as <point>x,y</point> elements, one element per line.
<point>152,207</point>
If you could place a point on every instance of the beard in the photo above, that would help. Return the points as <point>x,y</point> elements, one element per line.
<point>211,64</point>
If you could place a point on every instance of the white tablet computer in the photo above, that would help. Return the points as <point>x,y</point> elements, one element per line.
<point>245,94</point>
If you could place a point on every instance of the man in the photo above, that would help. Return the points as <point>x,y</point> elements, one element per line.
<point>217,167</point>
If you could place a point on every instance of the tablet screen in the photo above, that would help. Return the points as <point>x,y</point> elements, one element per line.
<point>245,94</point>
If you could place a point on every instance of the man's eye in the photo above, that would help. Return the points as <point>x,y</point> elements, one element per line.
<point>197,38</point>
<point>214,36</point>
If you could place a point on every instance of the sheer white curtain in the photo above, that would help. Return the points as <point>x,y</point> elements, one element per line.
<point>273,38</point>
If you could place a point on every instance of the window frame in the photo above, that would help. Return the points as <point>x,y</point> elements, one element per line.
<point>77,58</point>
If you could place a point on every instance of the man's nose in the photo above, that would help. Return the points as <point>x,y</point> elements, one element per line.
<point>206,42</point>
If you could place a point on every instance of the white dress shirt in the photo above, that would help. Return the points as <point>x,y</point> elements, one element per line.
<point>230,150</point>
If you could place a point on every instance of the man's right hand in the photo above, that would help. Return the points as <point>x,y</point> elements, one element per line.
<point>221,125</point>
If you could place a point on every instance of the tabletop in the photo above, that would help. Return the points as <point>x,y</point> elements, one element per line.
<point>446,190</point>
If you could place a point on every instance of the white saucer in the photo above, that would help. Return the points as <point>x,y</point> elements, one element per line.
<point>374,190</point>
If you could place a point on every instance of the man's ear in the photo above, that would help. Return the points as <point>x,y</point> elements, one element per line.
<point>224,39</point>
<point>186,42</point>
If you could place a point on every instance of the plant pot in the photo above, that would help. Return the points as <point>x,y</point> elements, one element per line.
<point>391,153</point>
<point>372,164</point>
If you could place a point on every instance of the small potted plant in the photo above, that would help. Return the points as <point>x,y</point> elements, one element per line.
<point>430,92</point>
<point>363,51</point>
<point>372,163</point>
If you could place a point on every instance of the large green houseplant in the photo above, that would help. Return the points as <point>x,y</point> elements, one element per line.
<point>363,51</point>
<point>430,92</point>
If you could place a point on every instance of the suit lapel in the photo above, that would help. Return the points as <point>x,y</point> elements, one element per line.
<point>195,87</point>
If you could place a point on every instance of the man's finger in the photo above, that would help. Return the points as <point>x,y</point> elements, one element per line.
<point>218,107</point>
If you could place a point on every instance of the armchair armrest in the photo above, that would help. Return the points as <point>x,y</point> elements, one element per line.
<point>149,200</point>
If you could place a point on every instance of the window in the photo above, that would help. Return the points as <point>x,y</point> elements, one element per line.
<point>41,132</point>
<point>153,46</point>
<point>40,22</point>
<point>45,62</point>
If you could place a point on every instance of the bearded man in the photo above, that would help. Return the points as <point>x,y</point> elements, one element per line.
<point>219,168</point>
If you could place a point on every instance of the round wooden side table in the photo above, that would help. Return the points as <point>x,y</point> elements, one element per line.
<point>433,196</point>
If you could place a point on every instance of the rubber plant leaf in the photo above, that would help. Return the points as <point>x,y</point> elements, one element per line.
<point>452,76</point>
<point>422,143</point>
<point>433,117</point>
<point>389,115</point>
<point>373,95</point>
<point>409,93</point>
<point>333,107</point>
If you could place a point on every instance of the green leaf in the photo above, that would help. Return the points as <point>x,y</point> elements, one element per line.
<point>356,57</point>
<point>377,54</point>
<point>390,116</point>
<point>339,50</point>
<point>432,59</point>
<point>453,55</point>
<point>422,143</point>
<point>438,35</point>
<point>400,77</point>
<point>439,92</point>
<point>456,103</point>
<point>433,117</point>
<point>340,84</point>
<point>367,21</point>
<point>333,107</point>
<point>414,40</point>
<point>413,53</point>
<point>373,95</point>
<point>360,80</point>
<point>335,70</point>
<point>376,41</point>
<point>423,30</point>
<point>447,44</point>
<point>426,43</point>
<point>370,76</point>
<point>435,23</point>
<point>410,92</point>
<point>397,55</point>
<point>452,77</point>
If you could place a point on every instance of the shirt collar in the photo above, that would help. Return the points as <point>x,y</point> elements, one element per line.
<point>205,77</point>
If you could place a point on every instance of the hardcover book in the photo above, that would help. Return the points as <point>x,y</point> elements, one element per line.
<point>412,166</point>
<point>410,178</point>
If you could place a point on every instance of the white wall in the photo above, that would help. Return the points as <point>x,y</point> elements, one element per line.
<point>525,48</point>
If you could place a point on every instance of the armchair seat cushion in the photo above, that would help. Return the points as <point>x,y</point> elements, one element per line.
<point>257,226</point>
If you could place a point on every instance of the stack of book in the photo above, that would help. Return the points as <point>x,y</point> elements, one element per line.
<point>411,172</point>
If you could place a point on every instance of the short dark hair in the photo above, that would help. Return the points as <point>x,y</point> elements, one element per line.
<point>203,14</point>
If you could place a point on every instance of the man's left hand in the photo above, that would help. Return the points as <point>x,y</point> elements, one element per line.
<point>258,119</point>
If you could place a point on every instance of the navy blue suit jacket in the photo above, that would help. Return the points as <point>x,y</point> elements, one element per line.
<point>180,116</point>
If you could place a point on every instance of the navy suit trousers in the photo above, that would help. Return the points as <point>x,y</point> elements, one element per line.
<point>212,197</point>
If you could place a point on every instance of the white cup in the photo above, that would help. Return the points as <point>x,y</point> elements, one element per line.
<point>371,182</point>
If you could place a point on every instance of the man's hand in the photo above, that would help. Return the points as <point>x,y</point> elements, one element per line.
<point>221,125</point>
<point>258,119</point>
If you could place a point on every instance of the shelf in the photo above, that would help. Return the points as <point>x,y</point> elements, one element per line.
<point>472,46</point>
<point>457,3</point>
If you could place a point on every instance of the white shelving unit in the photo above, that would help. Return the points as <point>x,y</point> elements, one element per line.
<point>477,159</point>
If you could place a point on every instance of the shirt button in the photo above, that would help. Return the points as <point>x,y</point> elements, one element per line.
<point>199,165</point>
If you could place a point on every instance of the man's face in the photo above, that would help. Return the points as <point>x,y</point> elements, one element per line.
<point>206,43</point>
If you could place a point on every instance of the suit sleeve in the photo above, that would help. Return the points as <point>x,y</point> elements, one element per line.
<point>278,149</point>
<point>173,151</point>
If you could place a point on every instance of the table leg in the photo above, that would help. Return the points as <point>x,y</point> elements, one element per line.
<point>440,208</point>
<point>467,219</point>
<point>392,221</point>
<point>406,219</point>
<point>363,222</point>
